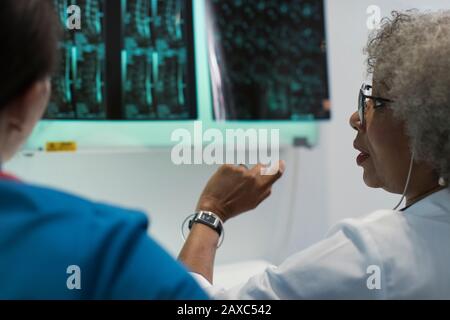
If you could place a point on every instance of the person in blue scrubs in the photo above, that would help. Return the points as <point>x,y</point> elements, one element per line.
<point>54,245</point>
<point>57,246</point>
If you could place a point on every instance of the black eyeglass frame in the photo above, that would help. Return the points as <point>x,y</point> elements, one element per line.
<point>379,102</point>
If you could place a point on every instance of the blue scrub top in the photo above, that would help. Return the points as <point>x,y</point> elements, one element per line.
<point>52,243</point>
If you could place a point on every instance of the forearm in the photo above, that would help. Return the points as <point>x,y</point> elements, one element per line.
<point>199,250</point>
<point>231,191</point>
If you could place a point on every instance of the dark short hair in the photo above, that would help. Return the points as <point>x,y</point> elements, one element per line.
<point>29,32</point>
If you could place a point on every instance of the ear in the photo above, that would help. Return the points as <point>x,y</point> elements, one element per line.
<point>23,112</point>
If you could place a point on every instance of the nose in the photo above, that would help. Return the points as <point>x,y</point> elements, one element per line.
<point>355,122</point>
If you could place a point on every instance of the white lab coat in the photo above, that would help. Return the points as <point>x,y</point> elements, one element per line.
<point>384,255</point>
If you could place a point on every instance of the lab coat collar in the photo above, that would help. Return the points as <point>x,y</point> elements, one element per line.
<point>435,203</point>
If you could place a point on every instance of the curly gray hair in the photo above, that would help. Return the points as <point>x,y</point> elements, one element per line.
<point>410,54</point>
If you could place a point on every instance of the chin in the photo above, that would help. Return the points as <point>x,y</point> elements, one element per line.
<point>371,180</point>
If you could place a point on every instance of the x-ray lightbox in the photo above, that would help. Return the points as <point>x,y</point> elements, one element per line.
<point>137,70</point>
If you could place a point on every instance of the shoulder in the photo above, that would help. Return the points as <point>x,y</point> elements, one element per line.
<point>109,244</point>
<point>64,219</point>
<point>49,231</point>
<point>376,235</point>
<point>367,227</point>
<point>39,201</point>
<point>390,225</point>
<point>340,266</point>
<point>407,246</point>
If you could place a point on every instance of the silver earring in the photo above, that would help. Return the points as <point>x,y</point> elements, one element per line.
<point>442,182</point>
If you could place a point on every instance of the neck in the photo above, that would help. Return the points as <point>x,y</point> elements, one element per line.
<point>418,195</point>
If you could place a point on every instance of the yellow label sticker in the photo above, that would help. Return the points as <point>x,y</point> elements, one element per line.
<point>68,146</point>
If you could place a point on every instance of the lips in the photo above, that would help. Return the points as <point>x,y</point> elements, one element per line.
<point>363,156</point>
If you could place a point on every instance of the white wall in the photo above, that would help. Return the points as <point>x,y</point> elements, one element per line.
<point>321,186</point>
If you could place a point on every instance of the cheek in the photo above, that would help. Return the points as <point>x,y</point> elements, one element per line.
<point>379,139</point>
<point>388,148</point>
<point>386,137</point>
<point>38,111</point>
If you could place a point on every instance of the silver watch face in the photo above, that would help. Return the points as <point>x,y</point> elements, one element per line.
<point>209,219</point>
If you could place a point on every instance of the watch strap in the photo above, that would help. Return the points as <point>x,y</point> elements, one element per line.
<point>208,219</point>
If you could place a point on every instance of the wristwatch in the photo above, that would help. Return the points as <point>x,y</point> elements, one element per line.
<point>208,219</point>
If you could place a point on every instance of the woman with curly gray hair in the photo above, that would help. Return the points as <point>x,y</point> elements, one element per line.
<point>403,134</point>
<point>410,62</point>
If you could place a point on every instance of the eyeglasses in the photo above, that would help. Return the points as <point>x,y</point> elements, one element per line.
<point>362,102</point>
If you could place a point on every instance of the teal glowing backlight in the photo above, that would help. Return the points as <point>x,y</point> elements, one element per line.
<point>151,127</point>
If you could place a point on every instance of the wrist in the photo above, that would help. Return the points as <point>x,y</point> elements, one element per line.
<point>204,224</point>
<point>209,219</point>
<point>214,206</point>
<point>208,235</point>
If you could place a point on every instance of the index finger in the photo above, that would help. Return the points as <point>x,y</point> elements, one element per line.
<point>269,175</point>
